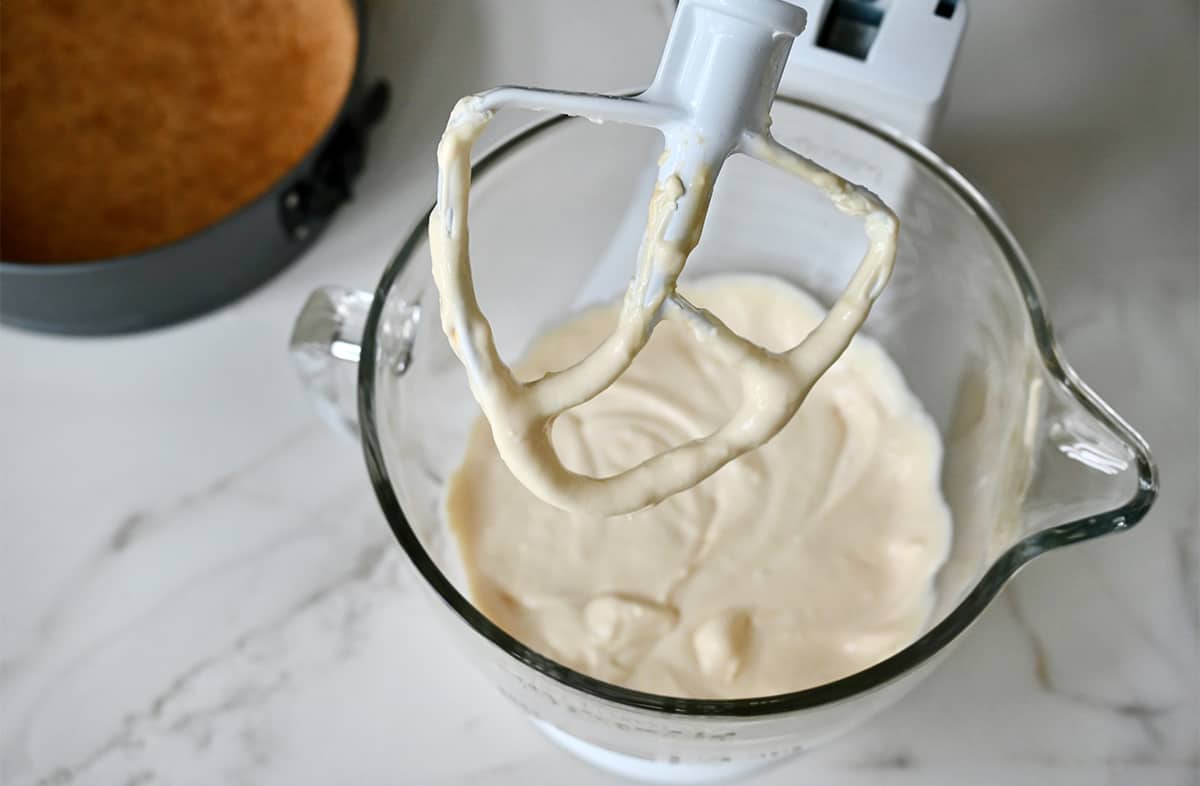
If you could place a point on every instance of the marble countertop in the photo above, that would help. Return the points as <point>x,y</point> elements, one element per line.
<point>196,586</point>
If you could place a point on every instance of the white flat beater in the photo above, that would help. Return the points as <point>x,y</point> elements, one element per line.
<point>710,99</point>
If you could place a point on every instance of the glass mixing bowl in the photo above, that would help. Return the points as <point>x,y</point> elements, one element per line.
<point>1033,459</point>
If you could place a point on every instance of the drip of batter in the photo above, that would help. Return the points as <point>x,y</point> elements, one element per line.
<point>772,383</point>
<point>804,561</point>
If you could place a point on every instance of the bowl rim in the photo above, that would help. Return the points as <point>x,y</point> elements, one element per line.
<point>895,666</point>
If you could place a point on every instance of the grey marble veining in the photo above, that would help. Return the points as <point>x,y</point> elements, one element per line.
<point>196,586</point>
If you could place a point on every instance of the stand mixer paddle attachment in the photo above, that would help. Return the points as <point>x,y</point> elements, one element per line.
<point>710,99</point>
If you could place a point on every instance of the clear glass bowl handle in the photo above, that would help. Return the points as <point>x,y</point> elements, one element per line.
<point>325,347</point>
